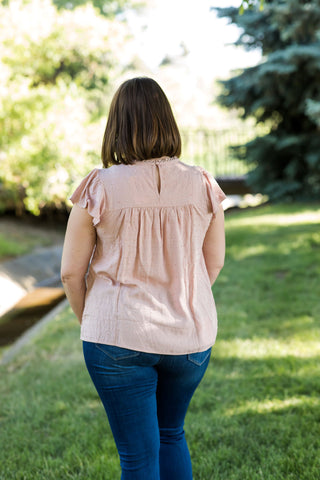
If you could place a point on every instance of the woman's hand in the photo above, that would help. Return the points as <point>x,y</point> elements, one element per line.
<point>80,240</point>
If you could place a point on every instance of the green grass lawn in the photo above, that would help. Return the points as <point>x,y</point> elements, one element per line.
<point>256,415</point>
<point>19,237</point>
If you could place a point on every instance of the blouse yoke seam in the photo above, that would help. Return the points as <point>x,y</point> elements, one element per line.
<point>152,206</point>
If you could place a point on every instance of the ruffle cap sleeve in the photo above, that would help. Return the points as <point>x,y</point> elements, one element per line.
<point>214,192</point>
<point>91,194</point>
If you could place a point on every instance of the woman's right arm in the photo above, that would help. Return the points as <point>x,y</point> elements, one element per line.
<point>214,245</point>
<point>79,243</point>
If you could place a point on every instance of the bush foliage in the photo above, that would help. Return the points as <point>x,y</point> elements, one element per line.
<point>56,65</point>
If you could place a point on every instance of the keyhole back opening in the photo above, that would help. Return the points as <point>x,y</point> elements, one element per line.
<point>158,179</point>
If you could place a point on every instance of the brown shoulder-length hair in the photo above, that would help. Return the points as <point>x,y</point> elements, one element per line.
<point>140,124</point>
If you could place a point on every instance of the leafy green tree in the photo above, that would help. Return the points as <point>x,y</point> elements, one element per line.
<point>56,68</point>
<point>106,7</point>
<point>282,92</point>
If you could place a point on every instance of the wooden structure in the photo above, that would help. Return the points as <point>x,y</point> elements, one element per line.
<point>235,185</point>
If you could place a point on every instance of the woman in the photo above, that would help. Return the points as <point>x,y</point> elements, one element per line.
<point>153,228</point>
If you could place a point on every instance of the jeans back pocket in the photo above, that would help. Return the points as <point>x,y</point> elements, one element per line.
<point>117,353</point>
<point>199,358</point>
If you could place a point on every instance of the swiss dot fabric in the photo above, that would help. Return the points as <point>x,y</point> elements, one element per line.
<point>148,288</point>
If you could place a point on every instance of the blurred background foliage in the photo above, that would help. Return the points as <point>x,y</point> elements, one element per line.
<point>56,68</point>
<point>283,93</point>
<point>60,61</point>
<point>108,8</point>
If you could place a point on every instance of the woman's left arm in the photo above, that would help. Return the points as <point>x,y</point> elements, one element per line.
<point>79,243</point>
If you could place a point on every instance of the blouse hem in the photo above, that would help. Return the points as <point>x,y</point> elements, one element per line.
<point>203,348</point>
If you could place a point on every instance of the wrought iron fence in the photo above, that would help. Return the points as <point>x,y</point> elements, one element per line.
<point>211,149</point>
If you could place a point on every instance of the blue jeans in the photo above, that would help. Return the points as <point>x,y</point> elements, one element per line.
<point>146,397</point>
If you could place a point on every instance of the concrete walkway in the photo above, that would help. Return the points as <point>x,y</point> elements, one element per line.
<point>24,274</point>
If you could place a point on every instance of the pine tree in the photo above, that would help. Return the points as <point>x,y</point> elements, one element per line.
<point>283,93</point>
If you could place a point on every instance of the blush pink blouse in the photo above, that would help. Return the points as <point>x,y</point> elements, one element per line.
<point>148,288</point>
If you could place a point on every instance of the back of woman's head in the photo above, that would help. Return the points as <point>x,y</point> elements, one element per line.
<point>140,124</point>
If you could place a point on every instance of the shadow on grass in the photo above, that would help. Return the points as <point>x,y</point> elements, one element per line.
<point>256,419</point>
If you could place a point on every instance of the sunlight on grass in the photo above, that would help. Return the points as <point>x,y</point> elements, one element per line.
<point>251,251</point>
<point>298,240</point>
<point>94,404</point>
<point>274,219</point>
<point>274,405</point>
<point>264,348</point>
